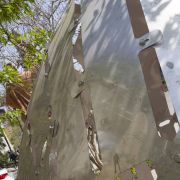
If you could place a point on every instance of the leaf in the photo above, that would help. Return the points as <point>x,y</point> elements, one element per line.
<point>12,10</point>
<point>12,116</point>
<point>10,75</point>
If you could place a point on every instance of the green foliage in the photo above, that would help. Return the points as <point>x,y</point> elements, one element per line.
<point>30,39</point>
<point>149,163</point>
<point>36,40</point>
<point>12,116</point>
<point>9,75</point>
<point>2,145</point>
<point>11,10</point>
<point>4,158</point>
<point>3,37</point>
<point>15,136</point>
<point>133,170</point>
<point>29,44</point>
<point>2,96</point>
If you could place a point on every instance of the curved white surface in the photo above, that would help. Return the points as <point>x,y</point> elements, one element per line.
<point>165,16</point>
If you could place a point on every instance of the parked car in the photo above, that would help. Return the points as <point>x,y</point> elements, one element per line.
<point>8,174</point>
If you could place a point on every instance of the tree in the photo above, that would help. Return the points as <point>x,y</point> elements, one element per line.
<point>10,75</point>
<point>29,30</point>
<point>25,28</point>
<point>12,10</point>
